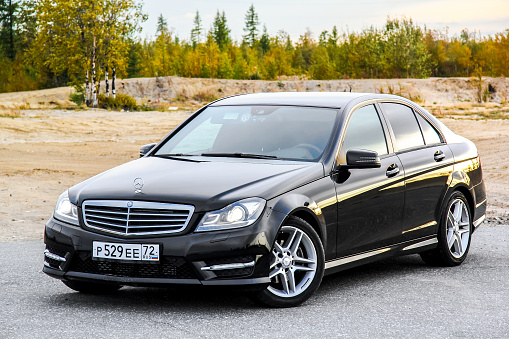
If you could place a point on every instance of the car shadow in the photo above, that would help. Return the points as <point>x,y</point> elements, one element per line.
<point>205,299</point>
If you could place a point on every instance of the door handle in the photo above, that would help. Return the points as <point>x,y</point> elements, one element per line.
<point>439,156</point>
<point>392,170</point>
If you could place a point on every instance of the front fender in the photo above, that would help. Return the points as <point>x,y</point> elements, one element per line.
<point>304,207</point>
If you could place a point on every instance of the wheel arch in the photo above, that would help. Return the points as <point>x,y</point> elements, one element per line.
<point>310,218</point>
<point>305,208</point>
<point>470,199</point>
<point>466,192</point>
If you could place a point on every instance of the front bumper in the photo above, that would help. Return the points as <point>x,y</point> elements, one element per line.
<point>234,257</point>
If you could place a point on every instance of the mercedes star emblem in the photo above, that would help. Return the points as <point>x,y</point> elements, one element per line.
<point>138,185</point>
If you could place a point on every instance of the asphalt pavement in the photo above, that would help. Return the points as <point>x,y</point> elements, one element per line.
<point>395,298</point>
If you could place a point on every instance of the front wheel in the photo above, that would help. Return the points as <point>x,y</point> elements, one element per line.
<point>296,268</point>
<point>453,235</point>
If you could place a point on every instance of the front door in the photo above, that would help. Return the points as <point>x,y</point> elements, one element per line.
<point>370,200</point>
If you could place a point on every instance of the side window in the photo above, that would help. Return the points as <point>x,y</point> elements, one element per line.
<point>404,125</point>
<point>364,131</point>
<point>431,136</point>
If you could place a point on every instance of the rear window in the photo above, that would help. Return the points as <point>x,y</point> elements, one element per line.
<point>404,125</point>
<point>431,136</point>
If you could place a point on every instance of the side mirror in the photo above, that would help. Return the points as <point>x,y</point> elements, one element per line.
<point>361,158</point>
<point>145,149</point>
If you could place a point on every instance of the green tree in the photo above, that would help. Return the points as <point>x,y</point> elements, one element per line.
<point>134,65</point>
<point>163,40</point>
<point>9,11</point>
<point>220,31</point>
<point>405,50</point>
<point>321,68</point>
<point>197,30</point>
<point>251,28</point>
<point>265,41</point>
<point>72,36</point>
<point>162,25</point>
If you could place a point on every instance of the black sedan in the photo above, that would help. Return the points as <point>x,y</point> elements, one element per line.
<point>270,192</point>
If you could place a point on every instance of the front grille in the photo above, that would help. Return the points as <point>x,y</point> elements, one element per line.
<point>136,217</point>
<point>168,267</point>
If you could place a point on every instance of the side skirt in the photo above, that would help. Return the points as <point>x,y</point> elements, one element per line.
<point>409,247</point>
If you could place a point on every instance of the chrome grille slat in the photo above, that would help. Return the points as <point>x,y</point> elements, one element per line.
<point>159,214</point>
<point>106,224</point>
<point>157,220</point>
<point>153,226</point>
<point>103,217</point>
<point>130,218</point>
<point>91,210</point>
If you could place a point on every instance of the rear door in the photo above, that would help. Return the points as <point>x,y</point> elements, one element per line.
<point>370,200</point>
<point>427,164</point>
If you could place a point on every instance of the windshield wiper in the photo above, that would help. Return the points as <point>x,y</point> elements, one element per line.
<point>239,155</point>
<point>177,156</point>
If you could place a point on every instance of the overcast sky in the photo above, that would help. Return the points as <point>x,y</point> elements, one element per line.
<point>295,16</point>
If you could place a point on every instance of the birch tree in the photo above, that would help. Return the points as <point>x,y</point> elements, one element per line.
<point>76,35</point>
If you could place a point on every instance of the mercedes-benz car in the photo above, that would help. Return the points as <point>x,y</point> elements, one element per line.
<point>270,192</point>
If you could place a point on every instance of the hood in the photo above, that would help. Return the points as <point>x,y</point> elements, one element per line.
<point>207,185</point>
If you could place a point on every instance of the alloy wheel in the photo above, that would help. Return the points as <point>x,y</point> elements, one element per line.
<point>294,263</point>
<point>458,228</point>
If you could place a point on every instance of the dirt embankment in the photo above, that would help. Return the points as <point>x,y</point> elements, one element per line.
<point>152,91</point>
<point>432,91</point>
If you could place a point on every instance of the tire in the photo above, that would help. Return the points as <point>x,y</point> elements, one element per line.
<point>296,268</point>
<point>91,288</point>
<point>454,234</point>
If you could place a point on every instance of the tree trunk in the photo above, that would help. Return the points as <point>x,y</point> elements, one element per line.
<point>94,94</point>
<point>11,34</point>
<point>106,81</point>
<point>87,91</point>
<point>98,89</point>
<point>113,77</point>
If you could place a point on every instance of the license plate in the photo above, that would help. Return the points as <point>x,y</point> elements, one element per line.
<point>116,251</point>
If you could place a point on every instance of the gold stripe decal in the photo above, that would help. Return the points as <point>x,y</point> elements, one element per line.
<point>479,204</point>
<point>429,224</point>
<point>479,221</point>
<point>421,244</point>
<point>347,260</point>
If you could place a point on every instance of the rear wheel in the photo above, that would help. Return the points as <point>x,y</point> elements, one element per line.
<point>453,235</point>
<point>91,288</point>
<point>296,268</point>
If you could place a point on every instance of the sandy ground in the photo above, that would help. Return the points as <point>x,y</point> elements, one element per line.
<point>44,152</point>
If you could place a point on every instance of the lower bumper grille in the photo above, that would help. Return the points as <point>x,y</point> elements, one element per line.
<point>54,257</point>
<point>168,267</point>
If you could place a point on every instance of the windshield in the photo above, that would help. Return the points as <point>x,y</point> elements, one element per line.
<point>283,132</point>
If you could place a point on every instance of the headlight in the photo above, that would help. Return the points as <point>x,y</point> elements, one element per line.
<point>239,214</point>
<point>65,210</point>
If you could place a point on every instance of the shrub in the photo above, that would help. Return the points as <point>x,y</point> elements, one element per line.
<point>121,101</point>
<point>78,96</point>
<point>126,102</point>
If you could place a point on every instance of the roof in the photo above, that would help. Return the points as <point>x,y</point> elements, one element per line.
<point>317,99</point>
